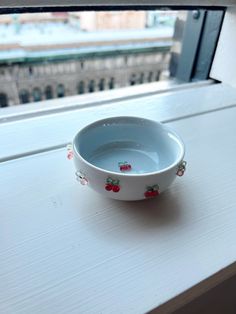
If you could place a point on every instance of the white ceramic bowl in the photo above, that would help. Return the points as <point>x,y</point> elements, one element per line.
<point>128,158</point>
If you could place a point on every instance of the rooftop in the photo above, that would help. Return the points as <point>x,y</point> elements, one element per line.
<point>32,42</point>
<point>58,33</point>
<point>21,55</point>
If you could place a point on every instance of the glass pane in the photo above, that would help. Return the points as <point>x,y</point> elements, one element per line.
<point>52,55</point>
<point>3,100</point>
<point>60,91</point>
<point>37,95</point>
<point>48,92</point>
<point>24,96</point>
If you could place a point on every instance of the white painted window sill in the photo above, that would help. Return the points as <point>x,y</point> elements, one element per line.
<point>65,249</point>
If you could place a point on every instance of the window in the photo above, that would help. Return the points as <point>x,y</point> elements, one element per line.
<point>24,96</point>
<point>60,91</point>
<point>81,87</point>
<point>132,79</point>
<point>111,83</point>
<point>37,94</point>
<point>3,100</point>
<point>158,73</point>
<point>150,76</point>
<point>91,86</point>
<point>105,49</point>
<point>48,92</point>
<point>141,78</point>
<point>101,84</point>
<point>30,70</point>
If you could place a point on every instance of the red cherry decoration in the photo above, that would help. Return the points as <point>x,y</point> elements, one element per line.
<point>152,192</point>
<point>148,194</point>
<point>108,187</point>
<point>70,155</point>
<point>115,188</point>
<point>125,167</point>
<point>155,193</point>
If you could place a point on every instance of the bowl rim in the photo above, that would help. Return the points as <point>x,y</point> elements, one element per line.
<point>162,125</point>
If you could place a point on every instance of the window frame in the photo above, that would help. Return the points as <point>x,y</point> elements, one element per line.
<point>194,59</point>
<point>59,5</point>
<point>22,6</point>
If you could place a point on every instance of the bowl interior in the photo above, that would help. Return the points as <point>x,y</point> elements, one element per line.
<point>129,145</point>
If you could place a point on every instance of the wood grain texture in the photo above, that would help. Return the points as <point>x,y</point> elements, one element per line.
<point>56,130</point>
<point>46,107</point>
<point>65,249</point>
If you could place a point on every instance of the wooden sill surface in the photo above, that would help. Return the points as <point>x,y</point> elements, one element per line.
<point>65,249</point>
<point>38,133</point>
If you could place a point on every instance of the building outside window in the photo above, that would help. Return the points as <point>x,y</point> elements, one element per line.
<point>37,94</point>
<point>24,96</point>
<point>111,83</point>
<point>60,91</point>
<point>106,49</point>
<point>101,84</point>
<point>48,92</point>
<point>141,78</point>
<point>3,100</point>
<point>150,76</point>
<point>91,86</point>
<point>81,87</point>
<point>133,79</point>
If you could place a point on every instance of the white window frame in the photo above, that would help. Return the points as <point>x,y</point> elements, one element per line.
<point>104,3</point>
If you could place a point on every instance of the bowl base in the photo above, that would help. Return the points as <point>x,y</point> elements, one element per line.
<point>126,157</point>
